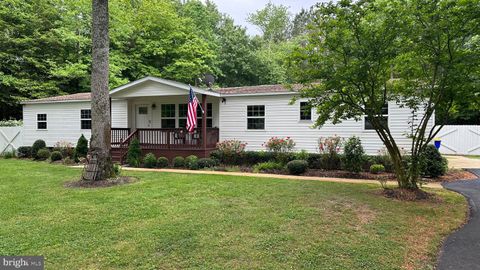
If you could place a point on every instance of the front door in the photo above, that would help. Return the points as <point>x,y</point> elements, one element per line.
<point>143,116</point>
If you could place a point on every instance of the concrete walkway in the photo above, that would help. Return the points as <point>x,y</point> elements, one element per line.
<point>461,250</point>
<point>461,162</point>
<point>277,176</point>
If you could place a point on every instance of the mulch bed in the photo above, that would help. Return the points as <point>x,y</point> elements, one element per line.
<point>453,175</point>
<point>409,195</point>
<point>346,174</point>
<point>122,180</point>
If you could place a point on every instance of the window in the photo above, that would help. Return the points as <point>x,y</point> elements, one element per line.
<point>168,115</point>
<point>143,110</point>
<point>305,111</point>
<point>42,121</point>
<point>256,117</point>
<point>182,115</point>
<point>85,119</point>
<point>383,119</point>
<point>209,110</point>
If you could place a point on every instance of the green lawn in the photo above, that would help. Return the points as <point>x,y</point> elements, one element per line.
<point>173,221</point>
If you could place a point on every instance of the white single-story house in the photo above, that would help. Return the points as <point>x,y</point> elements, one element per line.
<point>154,110</point>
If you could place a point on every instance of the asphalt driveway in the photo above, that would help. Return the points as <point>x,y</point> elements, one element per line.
<point>461,250</point>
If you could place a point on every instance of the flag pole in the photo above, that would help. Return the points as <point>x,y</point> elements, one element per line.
<point>199,104</point>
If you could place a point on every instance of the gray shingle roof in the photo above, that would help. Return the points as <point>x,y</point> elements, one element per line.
<point>242,90</point>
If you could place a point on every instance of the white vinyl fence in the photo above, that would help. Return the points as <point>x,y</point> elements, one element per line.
<point>460,140</point>
<point>10,138</point>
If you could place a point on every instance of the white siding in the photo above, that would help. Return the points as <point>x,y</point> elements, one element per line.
<point>158,101</point>
<point>148,89</point>
<point>120,113</point>
<point>63,121</point>
<point>282,120</point>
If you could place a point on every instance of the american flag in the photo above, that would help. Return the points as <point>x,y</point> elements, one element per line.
<point>192,111</point>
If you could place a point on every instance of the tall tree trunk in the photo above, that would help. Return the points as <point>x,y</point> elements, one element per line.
<point>101,160</point>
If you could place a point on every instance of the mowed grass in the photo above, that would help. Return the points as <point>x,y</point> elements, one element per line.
<point>177,221</point>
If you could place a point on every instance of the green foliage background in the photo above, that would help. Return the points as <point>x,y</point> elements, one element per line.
<point>45,47</point>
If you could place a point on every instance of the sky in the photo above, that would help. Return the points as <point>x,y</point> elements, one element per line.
<point>239,9</point>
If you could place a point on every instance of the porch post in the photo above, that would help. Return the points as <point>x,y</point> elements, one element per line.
<point>204,122</point>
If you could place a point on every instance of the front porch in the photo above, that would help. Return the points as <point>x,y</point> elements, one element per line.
<point>167,142</point>
<point>155,112</point>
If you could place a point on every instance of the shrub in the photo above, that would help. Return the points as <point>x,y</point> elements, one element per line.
<point>206,163</point>
<point>377,168</point>
<point>81,149</point>
<point>68,161</point>
<point>267,167</point>
<point>229,151</point>
<point>64,147</point>
<point>43,154</point>
<point>134,153</point>
<point>329,145</point>
<point>162,162</point>
<point>37,145</point>
<point>8,155</point>
<point>302,155</point>
<point>150,160</point>
<point>432,164</point>
<point>193,164</point>
<point>190,160</point>
<point>116,170</point>
<point>56,156</point>
<point>178,162</point>
<point>279,145</point>
<point>353,154</point>
<point>24,152</point>
<point>330,148</point>
<point>255,157</point>
<point>297,167</point>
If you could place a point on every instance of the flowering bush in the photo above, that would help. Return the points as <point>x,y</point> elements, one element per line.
<point>330,145</point>
<point>280,145</point>
<point>231,147</point>
<point>11,123</point>
<point>229,151</point>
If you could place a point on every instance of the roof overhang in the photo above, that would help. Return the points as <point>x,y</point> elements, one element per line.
<point>177,85</point>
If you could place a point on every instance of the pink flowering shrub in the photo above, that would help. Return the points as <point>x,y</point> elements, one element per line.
<point>330,145</point>
<point>229,151</point>
<point>280,145</point>
<point>231,147</point>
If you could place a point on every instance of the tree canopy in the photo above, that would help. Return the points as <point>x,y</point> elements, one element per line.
<point>45,48</point>
<point>422,54</point>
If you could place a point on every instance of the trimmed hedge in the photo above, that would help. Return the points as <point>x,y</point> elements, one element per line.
<point>314,160</point>
<point>24,152</point>
<point>377,168</point>
<point>206,163</point>
<point>56,156</point>
<point>43,154</point>
<point>297,167</point>
<point>150,160</point>
<point>37,145</point>
<point>178,162</point>
<point>162,162</point>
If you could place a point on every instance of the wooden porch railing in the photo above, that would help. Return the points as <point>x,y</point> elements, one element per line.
<point>118,136</point>
<point>170,139</point>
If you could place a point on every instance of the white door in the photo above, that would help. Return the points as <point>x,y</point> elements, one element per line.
<point>143,118</point>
